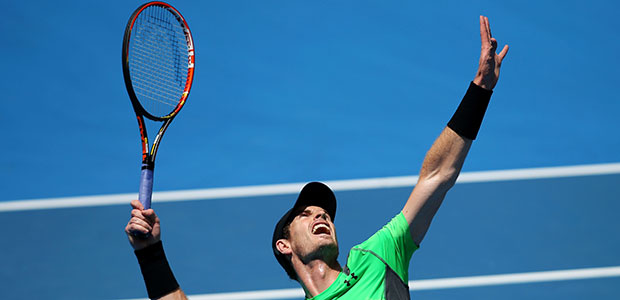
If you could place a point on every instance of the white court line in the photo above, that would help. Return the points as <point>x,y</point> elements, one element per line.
<point>515,278</point>
<point>437,284</point>
<point>293,188</point>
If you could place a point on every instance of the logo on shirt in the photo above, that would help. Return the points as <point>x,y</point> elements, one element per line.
<point>348,282</point>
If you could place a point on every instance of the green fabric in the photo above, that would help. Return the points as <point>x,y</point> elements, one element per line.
<point>366,278</point>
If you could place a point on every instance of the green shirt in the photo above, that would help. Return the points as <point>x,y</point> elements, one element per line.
<point>376,269</point>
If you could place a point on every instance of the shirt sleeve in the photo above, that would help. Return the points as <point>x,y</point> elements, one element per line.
<point>394,244</point>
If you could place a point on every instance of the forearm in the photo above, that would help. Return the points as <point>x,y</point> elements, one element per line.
<point>443,162</point>
<point>157,274</point>
<point>444,159</point>
<point>176,295</point>
<point>143,231</point>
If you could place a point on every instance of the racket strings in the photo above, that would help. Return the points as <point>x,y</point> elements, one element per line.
<point>168,69</point>
<point>155,83</point>
<point>158,60</point>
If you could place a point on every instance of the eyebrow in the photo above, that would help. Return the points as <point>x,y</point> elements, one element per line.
<point>309,211</point>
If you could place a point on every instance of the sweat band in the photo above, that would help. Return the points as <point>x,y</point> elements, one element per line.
<point>156,272</point>
<point>468,117</point>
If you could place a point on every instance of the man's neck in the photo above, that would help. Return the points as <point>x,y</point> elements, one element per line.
<point>317,275</point>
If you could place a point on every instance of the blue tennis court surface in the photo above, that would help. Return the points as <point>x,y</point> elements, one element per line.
<point>295,91</point>
<point>222,245</point>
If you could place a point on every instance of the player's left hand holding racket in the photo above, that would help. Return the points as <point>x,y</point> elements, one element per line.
<point>158,67</point>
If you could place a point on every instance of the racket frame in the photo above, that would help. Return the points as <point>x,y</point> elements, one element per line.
<point>149,153</point>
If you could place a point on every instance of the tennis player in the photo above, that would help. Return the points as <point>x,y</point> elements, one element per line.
<point>304,240</point>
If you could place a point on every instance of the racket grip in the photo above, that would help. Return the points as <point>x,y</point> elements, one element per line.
<point>146,187</point>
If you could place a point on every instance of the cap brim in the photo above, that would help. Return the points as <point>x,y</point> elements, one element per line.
<point>317,194</point>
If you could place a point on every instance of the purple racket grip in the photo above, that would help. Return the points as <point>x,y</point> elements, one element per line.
<point>146,187</point>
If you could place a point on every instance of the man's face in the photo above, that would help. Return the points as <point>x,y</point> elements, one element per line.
<point>313,235</point>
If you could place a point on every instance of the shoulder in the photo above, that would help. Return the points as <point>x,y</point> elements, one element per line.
<point>394,233</point>
<point>391,246</point>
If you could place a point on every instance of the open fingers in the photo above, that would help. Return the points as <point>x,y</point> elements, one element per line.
<point>486,21</point>
<point>484,35</point>
<point>503,53</point>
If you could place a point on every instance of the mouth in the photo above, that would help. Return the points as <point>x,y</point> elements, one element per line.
<point>321,228</point>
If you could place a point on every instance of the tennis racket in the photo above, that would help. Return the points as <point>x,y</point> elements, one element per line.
<point>158,67</point>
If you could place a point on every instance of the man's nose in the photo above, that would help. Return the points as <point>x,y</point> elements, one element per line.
<point>321,215</point>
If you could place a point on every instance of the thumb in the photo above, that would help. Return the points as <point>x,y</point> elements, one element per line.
<point>503,53</point>
<point>136,204</point>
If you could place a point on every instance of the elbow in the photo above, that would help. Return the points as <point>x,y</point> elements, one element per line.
<point>443,179</point>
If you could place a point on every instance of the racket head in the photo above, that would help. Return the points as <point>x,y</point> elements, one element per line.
<point>158,60</point>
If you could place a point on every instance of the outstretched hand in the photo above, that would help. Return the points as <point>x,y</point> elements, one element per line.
<point>143,227</point>
<point>490,62</point>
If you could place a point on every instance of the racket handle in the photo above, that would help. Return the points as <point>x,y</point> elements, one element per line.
<point>146,186</point>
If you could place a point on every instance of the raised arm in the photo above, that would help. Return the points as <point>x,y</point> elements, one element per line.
<point>444,160</point>
<point>143,231</point>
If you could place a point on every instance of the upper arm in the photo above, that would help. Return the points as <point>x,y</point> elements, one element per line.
<point>440,169</point>
<point>421,207</point>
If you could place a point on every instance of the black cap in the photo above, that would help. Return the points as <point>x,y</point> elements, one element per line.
<point>312,194</point>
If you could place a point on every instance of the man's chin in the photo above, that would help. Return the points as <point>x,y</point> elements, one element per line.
<point>326,250</point>
<point>329,249</point>
<point>326,241</point>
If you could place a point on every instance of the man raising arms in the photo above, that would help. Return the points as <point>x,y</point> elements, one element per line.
<point>304,240</point>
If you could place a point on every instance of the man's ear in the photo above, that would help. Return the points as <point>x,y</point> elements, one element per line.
<point>284,246</point>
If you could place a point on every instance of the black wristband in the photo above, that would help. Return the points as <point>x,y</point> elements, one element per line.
<point>156,271</point>
<point>468,117</point>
